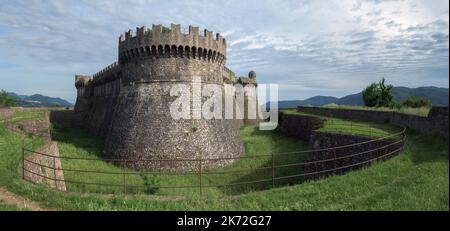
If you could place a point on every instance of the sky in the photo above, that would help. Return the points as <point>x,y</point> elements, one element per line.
<point>308,48</point>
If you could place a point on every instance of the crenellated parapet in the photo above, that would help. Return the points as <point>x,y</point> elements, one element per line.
<point>161,42</point>
<point>107,74</point>
<point>128,102</point>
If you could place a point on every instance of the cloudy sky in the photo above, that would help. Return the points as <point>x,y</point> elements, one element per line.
<point>307,47</point>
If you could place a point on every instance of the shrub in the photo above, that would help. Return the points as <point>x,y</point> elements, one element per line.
<point>6,99</point>
<point>166,29</point>
<point>378,95</point>
<point>416,102</point>
<point>151,183</point>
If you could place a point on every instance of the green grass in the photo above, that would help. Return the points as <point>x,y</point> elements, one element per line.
<point>416,179</point>
<point>78,143</point>
<point>352,127</point>
<point>24,114</point>
<point>8,207</point>
<point>420,111</point>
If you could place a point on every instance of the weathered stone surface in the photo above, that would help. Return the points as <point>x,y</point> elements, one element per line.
<point>44,167</point>
<point>127,103</point>
<point>339,153</point>
<point>299,126</point>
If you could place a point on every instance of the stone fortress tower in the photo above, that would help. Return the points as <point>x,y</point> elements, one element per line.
<point>127,103</point>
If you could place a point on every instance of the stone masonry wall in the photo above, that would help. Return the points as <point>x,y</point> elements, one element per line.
<point>143,128</point>
<point>298,126</point>
<point>128,102</point>
<point>354,150</point>
<point>436,123</point>
<point>42,169</point>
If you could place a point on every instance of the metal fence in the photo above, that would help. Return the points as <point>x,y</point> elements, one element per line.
<point>269,170</point>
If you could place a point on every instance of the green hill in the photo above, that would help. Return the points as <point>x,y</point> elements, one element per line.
<point>437,96</point>
<point>38,100</point>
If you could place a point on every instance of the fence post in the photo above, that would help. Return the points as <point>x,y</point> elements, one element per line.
<point>334,161</point>
<point>124,179</point>
<point>200,176</point>
<point>32,142</point>
<point>54,172</point>
<point>351,127</point>
<point>273,171</point>
<point>23,161</point>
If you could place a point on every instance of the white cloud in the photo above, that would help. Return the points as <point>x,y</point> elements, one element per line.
<point>343,44</point>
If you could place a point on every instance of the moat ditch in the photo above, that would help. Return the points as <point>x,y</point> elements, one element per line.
<point>271,160</point>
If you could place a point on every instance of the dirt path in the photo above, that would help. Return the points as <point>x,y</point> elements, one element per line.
<point>20,202</point>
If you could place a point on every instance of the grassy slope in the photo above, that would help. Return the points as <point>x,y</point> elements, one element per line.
<point>8,207</point>
<point>351,126</point>
<point>79,143</point>
<point>417,179</point>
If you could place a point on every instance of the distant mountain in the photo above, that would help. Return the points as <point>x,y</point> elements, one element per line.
<point>437,96</point>
<point>38,100</point>
<point>313,101</point>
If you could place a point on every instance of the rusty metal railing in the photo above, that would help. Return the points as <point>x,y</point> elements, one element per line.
<point>393,143</point>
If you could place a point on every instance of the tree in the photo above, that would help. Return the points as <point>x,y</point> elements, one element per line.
<point>415,102</point>
<point>6,99</point>
<point>378,95</point>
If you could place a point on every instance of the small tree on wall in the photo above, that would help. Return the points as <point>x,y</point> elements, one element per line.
<point>415,102</point>
<point>378,95</point>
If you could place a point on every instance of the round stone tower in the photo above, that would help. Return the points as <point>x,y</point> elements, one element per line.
<point>142,128</point>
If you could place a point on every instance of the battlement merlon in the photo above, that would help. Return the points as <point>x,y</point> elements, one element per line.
<point>174,37</point>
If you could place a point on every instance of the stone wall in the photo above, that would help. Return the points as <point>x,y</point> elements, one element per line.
<point>346,152</point>
<point>63,117</point>
<point>128,102</point>
<point>142,128</point>
<point>298,126</point>
<point>436,123</point>
<point>42,167</point>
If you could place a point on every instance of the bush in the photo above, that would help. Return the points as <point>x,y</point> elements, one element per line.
<point>6,99</point>
<point>151,183</point>
<point>416,102</point>
<point>378,95</point>
<point>166,29</point>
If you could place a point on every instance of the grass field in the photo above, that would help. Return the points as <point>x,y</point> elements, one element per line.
<point>421,111</point>
<point>354,127</point>
<point>416,179</point>
<point>7,207</point>
<point>79,143</point>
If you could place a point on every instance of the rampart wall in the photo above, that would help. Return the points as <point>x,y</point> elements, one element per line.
<point>436,123</point>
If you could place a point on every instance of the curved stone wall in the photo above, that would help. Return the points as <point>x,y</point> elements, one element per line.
<point>337,153</point>
<point>142,128</point>
<point>160,42</point>
<point>436,123</point>
<point>298,126</point>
